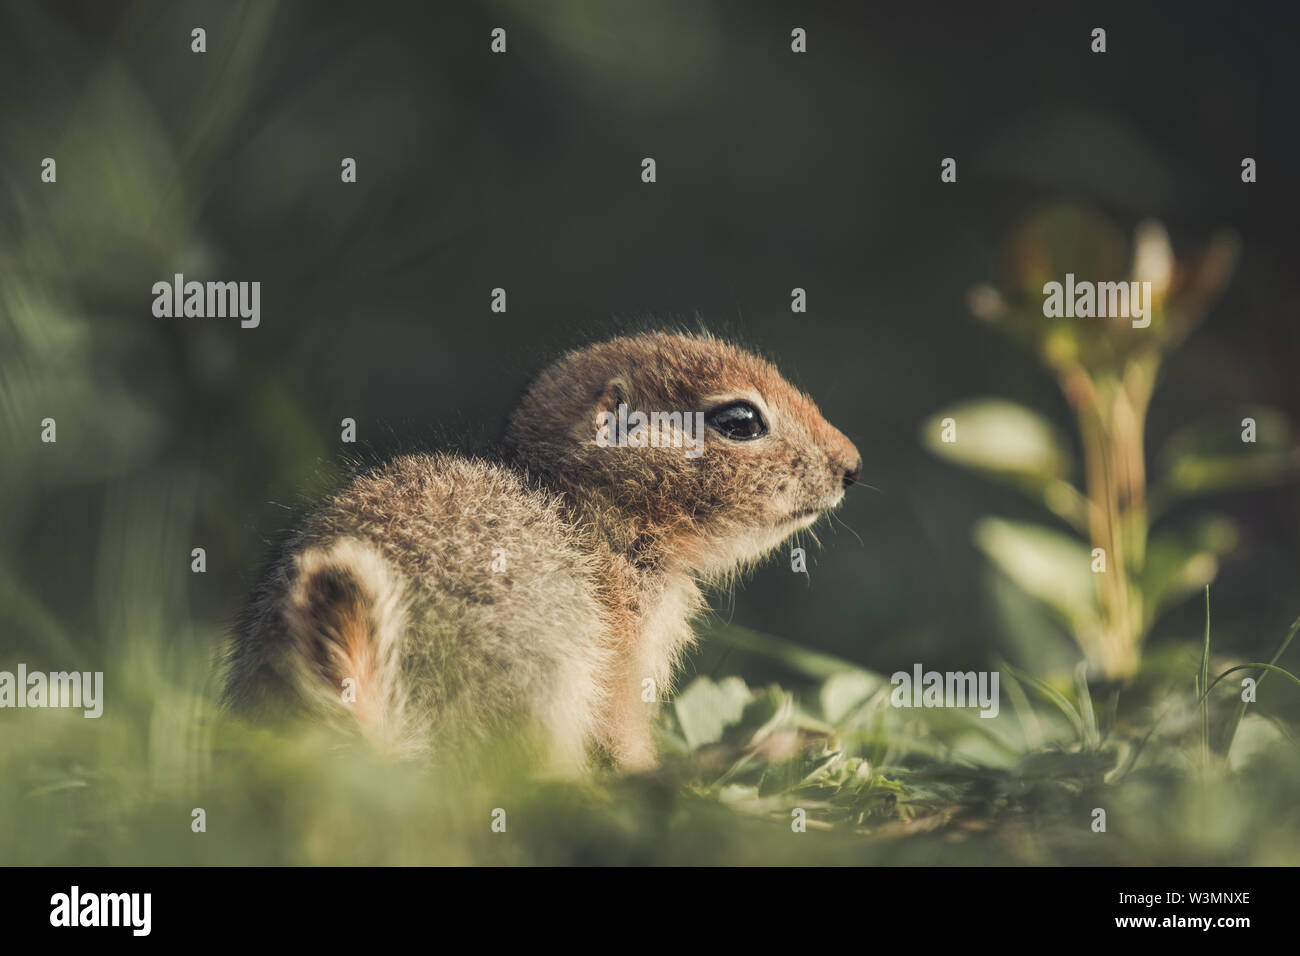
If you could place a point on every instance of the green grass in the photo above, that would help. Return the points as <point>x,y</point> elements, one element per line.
<point>876,784</point>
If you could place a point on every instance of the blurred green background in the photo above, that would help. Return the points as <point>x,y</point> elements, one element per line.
<point>522,171</point>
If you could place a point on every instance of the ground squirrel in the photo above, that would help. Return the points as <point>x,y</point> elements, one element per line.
<point>461,595</point>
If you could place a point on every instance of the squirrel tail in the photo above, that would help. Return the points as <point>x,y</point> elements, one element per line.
<point>345,616</point>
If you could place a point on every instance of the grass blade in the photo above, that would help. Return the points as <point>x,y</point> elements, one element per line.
<point>1029,725</point>
<point>1202,685</point>
<point>1056,697</point>
<point>1087,715</point>
<point>1230,730</point>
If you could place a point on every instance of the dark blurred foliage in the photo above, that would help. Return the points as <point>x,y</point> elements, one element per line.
<point>522,171</point>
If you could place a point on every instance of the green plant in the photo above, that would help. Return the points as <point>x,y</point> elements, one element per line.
<point>1109,580</point>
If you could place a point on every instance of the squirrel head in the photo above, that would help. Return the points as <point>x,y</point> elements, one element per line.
<point>687,451</point>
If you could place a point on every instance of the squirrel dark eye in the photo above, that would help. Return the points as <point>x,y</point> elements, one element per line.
<point>739,421</point>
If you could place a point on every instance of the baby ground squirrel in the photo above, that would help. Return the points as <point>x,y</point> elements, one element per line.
<point>458,595</point>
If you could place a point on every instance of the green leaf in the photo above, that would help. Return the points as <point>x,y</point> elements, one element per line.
<point>843,694</point>
<point>1211,456</point>
<point>705,709</point>
<point>1180,562</point>
<point>1052,567</point>
<point>1254,736</point>
<point>765,712</point>
<point>1240,709</point>
<point>1004,439</point>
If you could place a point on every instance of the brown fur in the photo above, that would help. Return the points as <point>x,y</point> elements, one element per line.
<point>391,582</point>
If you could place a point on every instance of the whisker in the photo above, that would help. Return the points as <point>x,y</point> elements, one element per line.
<point>844,524</point>
<point>798,543</point>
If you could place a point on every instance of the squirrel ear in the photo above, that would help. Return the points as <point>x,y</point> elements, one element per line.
<point>613,395</point>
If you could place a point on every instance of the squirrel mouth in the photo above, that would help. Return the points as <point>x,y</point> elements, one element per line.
<point>814,511</point>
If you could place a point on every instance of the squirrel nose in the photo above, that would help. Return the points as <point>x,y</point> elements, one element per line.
<point>852,471</point>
